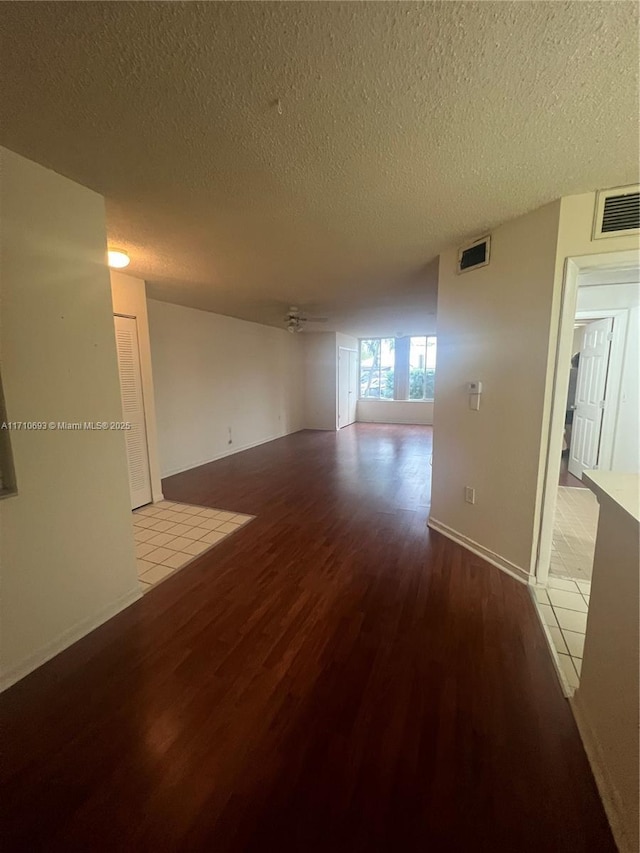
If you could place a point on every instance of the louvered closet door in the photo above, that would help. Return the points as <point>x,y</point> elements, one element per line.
<point>133,410</point>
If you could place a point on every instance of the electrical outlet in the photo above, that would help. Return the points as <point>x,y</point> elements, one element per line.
<point>230,437</point>
<point>469,495</point>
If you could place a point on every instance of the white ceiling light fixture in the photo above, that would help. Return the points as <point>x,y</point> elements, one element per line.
<point>118,259</point>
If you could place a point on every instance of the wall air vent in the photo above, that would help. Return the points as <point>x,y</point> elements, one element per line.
<point>617,212</point>
<point>474,255</point>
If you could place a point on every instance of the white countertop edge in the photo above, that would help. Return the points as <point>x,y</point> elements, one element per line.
<point>622,489</point>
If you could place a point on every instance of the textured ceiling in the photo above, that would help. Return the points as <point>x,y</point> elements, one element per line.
<point>401,128</point>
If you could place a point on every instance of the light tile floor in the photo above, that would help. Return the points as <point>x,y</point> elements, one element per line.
<point>574,533</point>
<point>169,535</point>
<point>564,605</point>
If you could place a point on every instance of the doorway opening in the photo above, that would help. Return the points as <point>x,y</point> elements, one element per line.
<point>595,424</point>
<point>347,386</point>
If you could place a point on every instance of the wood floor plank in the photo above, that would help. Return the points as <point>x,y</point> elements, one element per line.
<point>333,677</point>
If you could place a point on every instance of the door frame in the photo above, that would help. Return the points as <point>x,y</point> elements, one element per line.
<point>356,377</point>
<point>342,349</point>
<point>144,401</point>
<point>550,473</point>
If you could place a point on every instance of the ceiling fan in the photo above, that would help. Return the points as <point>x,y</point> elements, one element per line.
<point>295,319</point>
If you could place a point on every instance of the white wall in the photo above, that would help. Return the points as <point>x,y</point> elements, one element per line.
<point>626,445</point>
<point>66,546</point>
<point>606,702</point>
<point>320,380</point>
<point>395,411</point>
<point>499,324</point>
<point>215,373</point>
<point>129,298</point>
<point>493,325</point>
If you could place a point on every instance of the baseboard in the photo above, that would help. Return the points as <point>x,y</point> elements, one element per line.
<point>399,421</point>
<point>67,638</point>
<point>607,790</point>
<point>480,551</point>
<point>171,471</point>
<point>567,689</point>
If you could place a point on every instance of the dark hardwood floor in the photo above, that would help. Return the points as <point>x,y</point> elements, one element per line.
<point>333,677</point>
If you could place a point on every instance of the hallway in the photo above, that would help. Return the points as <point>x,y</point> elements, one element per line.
<point>332,677</point>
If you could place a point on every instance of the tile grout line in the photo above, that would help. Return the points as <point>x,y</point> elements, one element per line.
<point>159,514</point>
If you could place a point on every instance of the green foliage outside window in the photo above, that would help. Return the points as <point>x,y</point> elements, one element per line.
<point>422,384</point>
<point>379,361</point>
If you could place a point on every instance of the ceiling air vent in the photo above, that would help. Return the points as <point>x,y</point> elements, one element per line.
<point>474,255</point>
<point>617,212</point>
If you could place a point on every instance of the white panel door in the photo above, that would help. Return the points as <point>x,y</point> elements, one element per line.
<point>591,386</point>
<point>343,388</point>
<point>353,385</point>
<point>133,410</point>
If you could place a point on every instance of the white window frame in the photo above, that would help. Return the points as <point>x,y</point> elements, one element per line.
<point>373,338</point>
<point>408,367</point>
<point>426,339</point>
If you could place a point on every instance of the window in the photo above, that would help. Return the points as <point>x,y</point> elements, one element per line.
<point>398,368</point>
<point>422,368</point>
<point>377,368</point>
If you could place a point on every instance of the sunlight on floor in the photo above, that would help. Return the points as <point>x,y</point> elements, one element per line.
<point>170,535</point>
